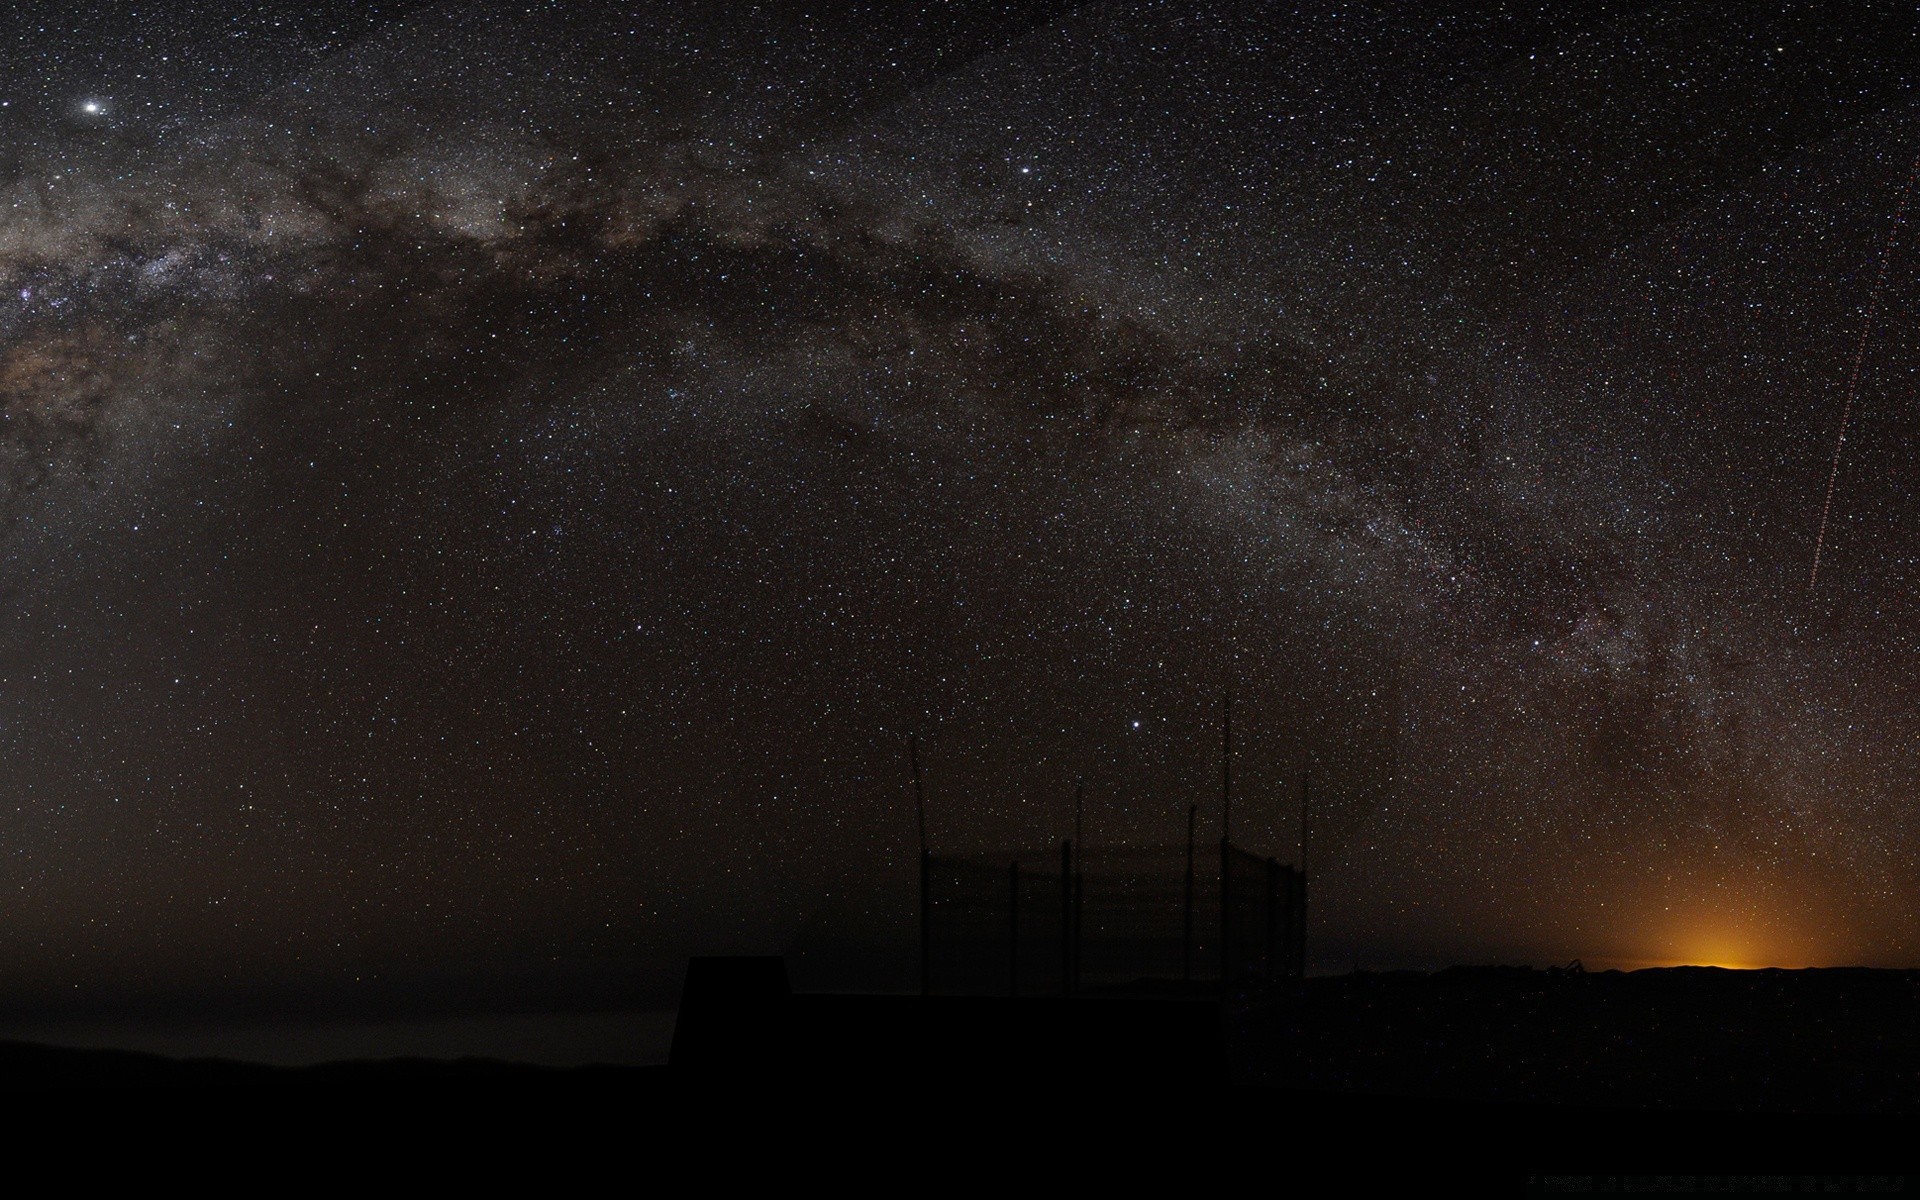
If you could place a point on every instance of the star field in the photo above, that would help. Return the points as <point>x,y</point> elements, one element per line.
<point>487,489</point>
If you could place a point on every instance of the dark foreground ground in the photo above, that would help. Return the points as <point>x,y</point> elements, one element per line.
<point>1497,1074</point>
<point>1844,1042</point>
<point>1668,1082</point>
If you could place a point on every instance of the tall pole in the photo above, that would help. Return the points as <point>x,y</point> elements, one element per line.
<point>1273,920</point>
<point>1079,883</point>
<point>926,870</point>
<point>1296,925</point>
<point>1226,765</point>
<point>1300,916</point>
<point>1226,826</point>
<point>919,790</point>
<point>1226,913</point>
<point>926,923</point>
<point>1186,953</point>
<point>1013,928</point>
<point>1306,799</point>
<point>1066,918</point>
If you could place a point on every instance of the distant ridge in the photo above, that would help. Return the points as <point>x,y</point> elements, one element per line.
<point>29,1065</point>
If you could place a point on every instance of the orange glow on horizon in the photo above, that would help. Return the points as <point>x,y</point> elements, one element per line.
<point>1732,931</point>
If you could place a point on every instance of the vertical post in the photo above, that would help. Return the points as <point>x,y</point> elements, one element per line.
<point>1079,907</point>
<point>1273,919</point>
<point>1226,828</point>
<point>926,863</point>
<point>1013,928</point>
<point>1299,952</point>
<point>1186,953</point>
<point>1297,926</point>
<point>926,923</point>
<point>1306,797</point>
<point>919,790</point>
<point>1226,765</point>
<point>1226,913</point>
<point>1066,917</point>
<point>1079,883</point>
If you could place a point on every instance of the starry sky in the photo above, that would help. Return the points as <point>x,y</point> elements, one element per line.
<point>486,490</point>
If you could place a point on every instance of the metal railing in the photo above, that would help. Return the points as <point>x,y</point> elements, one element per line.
<point>1054,922</point>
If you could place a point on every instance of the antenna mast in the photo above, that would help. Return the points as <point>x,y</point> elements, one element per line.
<point>1226,765</point>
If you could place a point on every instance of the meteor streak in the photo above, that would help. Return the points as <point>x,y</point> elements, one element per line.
<point>1859,359</point>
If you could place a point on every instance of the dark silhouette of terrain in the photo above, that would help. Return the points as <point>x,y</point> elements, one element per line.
<point>1494,1073</point>
<point>1835,1040</point>
<point>739,1020</point>
<point>26,1066</point>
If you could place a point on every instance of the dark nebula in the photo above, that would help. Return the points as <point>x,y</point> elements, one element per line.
<point>487,490</point>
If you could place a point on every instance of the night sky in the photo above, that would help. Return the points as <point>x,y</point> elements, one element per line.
<point>485,491</point>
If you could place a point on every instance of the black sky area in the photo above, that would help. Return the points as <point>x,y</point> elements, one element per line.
<point>486,490</point>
